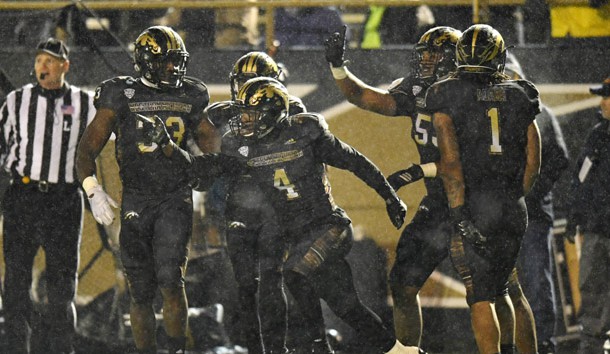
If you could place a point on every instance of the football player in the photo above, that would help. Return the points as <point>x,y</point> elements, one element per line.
<point>255,242</point>
<point>286,156</point>
<point>424,243</point>
<point>156,210</point>
<point>489,159</point>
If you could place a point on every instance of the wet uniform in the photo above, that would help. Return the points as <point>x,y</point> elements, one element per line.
<point>156,211</point>
<point>289,167</point>
<point>256,246</point>
<point>424,243</point>
<point>491,123</point>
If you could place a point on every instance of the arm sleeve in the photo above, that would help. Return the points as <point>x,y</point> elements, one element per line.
<point>332,151</point>
<point>554,154</point>
<point>577,206</point>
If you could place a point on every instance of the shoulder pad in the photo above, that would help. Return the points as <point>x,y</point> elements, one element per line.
<point>296,106</point>
<point>395,84</point>
<point>111,89</point>
<point>194,82</point>
<point>218,106</point>
<point>530,90</point>
<point>220,112</point>
<point>440,94</point>
<point>119,80</point>
<point>309,119</point>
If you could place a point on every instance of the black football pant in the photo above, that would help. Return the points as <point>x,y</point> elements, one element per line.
<point>256,256</point>
<point>51,220</point>
<point>322,272</point>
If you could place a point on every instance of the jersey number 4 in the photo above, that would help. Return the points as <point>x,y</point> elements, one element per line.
<point>281,182</point>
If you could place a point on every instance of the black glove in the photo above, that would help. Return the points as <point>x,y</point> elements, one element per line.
<point>334,48</point>
<point>465,227</point>
<point>397,210</point>
<point>401,178</point>
<point>154,129</point>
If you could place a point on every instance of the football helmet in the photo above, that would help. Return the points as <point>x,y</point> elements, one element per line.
<point>435,52</point>
<point>481,49</point>
<point>263,103</point>
<point>251,65</point>
<point>155,49</point>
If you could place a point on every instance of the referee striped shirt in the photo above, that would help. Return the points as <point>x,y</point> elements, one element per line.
<point>41,130</point>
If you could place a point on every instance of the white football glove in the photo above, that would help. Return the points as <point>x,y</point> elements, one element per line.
<point>100,201</point>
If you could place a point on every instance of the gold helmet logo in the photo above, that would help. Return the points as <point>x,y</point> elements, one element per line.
<point>147,40</point>
<point>265,92</point>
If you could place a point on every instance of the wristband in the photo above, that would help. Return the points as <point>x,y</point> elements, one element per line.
<point>339,73</point>
<point>89,183</point>
<point>429,169</point>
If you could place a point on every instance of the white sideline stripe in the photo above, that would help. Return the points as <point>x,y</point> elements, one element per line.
<point>444,302</point>
<point>298,90</point>
<point>448,282</point>
<point>337,110</point>
<point>564,88</point>
<point>576,106</point>
<point>342,107</point>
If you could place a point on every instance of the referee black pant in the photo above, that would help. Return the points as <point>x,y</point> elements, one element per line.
<point>47,216</point>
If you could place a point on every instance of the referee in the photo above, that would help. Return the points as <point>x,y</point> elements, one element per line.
<point>41,124</point>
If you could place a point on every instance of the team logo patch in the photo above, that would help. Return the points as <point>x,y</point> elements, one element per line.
<point>416,89</point>
<point>129,93</point>
<point>244,150</point>
<point>131,215</point>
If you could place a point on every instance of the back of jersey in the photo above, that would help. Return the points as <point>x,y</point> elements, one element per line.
<point>491,120</point>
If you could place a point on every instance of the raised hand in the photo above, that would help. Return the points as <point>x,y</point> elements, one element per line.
<point>154,129</point>
<point>334,48</point>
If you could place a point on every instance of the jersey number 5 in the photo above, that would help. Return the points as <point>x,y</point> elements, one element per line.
<point>281,182</point>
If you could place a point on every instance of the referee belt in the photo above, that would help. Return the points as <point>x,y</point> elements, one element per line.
<point>43,186</point>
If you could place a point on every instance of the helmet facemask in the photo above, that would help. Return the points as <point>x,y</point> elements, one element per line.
<point>263,105</point>
<point>435,53</point>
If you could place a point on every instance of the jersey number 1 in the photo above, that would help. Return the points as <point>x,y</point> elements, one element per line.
<point>494,117</point>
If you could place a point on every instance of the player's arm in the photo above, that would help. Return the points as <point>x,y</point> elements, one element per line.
<point>450,171</point>
<point>355,90</point>
<point>533,153</point>
<point>91,144</point>
<point>332,151</point>
<point>208,165</point>
<point>450,166</point>
<point>207,136</point>
<point>411,174</point>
